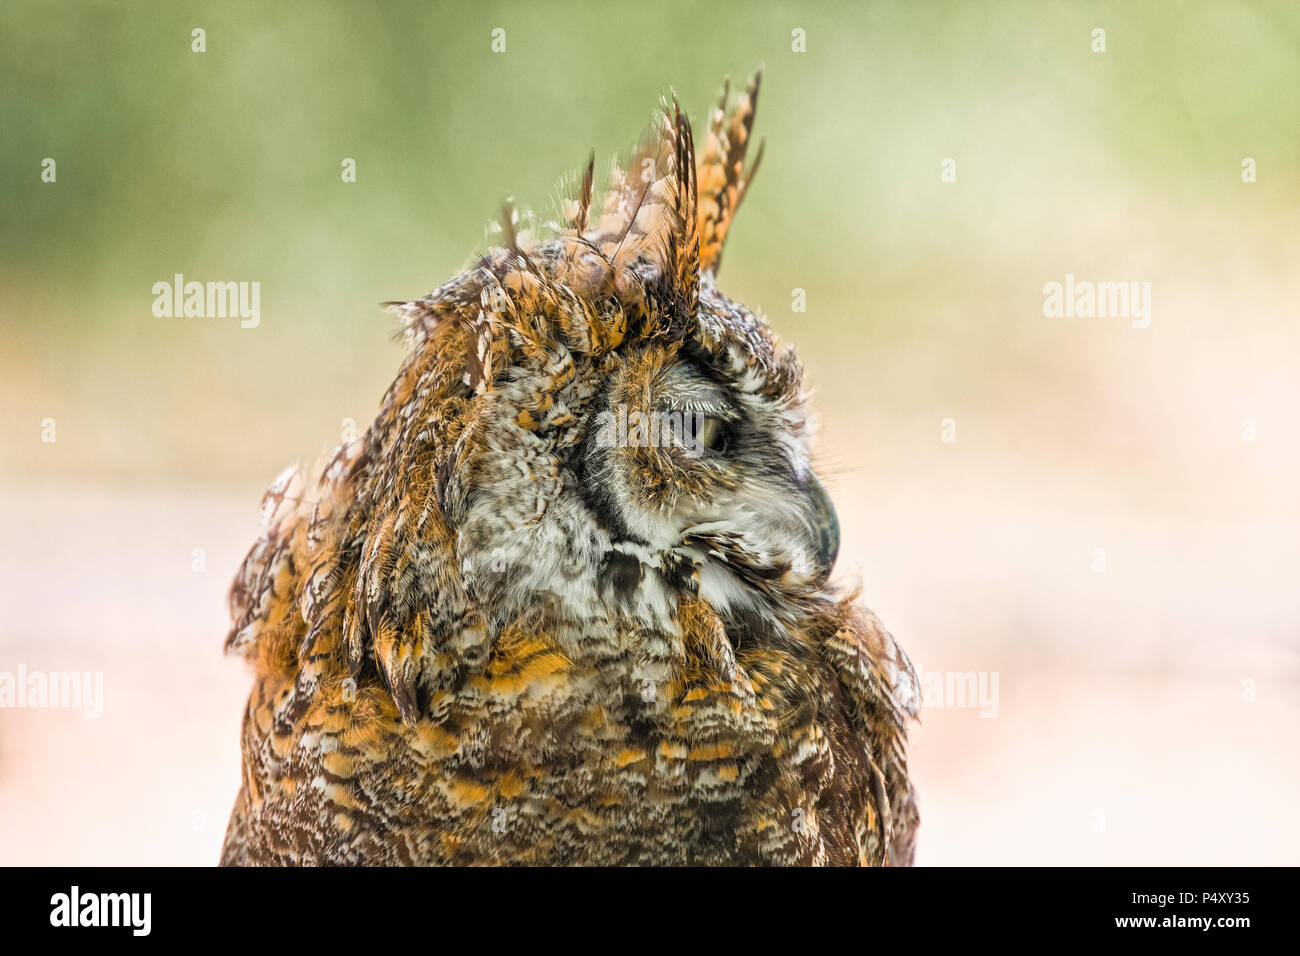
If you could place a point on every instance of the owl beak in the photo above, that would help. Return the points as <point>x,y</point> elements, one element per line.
<point>825,527</point>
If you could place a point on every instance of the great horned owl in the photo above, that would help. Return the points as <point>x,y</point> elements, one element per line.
<point>566,600</point>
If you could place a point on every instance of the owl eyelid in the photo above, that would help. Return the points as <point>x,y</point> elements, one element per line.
<point>707,409</point>
<point>687,388</point>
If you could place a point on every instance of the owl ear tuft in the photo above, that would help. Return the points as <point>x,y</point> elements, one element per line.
<point>685,253</point>
<point>646,235</point>
<point>582,202</point>
<point>723,179</point>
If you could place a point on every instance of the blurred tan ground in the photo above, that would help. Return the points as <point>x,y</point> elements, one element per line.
<point>1119,693</point>
<point>1121,735</point>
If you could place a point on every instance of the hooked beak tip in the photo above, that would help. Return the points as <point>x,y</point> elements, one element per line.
<point>825,527</point>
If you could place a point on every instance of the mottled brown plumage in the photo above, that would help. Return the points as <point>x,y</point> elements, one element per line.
<point>566,600</point>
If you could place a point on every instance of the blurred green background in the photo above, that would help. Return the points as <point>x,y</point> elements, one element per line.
<point>226,165</point>
<point>924,303</point>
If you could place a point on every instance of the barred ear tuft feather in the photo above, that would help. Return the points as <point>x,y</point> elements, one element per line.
<point>722,175</point>
<point>582,215</point>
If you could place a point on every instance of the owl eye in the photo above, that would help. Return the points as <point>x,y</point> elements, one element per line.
<point>706,431</point>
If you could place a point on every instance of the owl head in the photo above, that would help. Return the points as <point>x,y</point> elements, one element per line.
<point>606,429</point>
